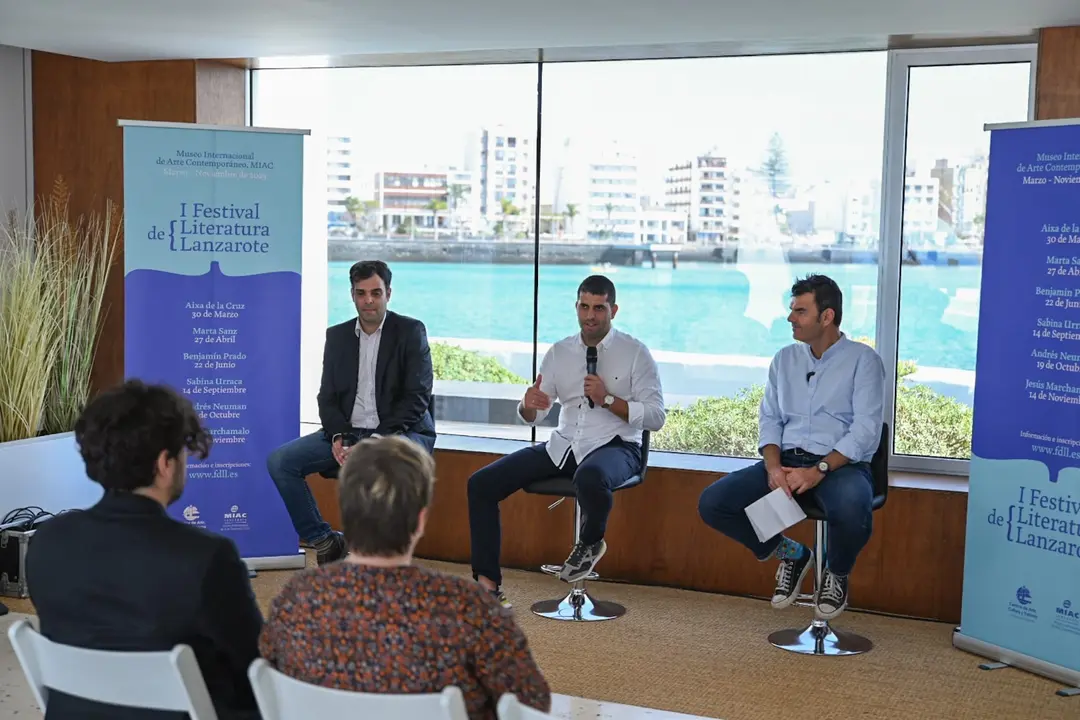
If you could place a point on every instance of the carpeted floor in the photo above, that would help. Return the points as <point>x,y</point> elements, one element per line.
<point>707,655</point>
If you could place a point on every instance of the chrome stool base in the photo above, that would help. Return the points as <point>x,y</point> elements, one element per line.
<point>820,639</point>
<point>578,606</point>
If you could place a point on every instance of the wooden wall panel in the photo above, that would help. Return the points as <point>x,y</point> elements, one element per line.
<point>1057,89</point>
<point>76,104</point>
<point>913,564</point>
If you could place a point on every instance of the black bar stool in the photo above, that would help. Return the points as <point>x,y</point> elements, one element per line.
<point>819,638</point>
<point>577,605</point>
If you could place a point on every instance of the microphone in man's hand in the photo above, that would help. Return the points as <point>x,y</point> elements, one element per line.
<point>590,366</point>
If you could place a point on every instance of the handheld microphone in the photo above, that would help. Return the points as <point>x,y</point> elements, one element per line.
<point>590,366</point>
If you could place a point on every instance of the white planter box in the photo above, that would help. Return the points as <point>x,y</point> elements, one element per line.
<point>46,472</point>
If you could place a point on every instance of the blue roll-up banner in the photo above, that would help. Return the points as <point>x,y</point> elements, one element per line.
<point>212,261</point>
<point>1021,602</point>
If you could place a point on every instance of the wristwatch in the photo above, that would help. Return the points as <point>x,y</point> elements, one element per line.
<point>608,401</point>
<point>823,467</point>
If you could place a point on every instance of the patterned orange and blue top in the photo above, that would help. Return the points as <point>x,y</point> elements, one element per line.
<point>401,630</point>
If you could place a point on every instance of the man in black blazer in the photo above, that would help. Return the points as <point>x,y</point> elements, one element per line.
<point>125,576</point>
<point>376,380</point>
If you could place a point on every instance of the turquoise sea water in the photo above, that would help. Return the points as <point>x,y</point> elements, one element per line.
<point>698,308</point>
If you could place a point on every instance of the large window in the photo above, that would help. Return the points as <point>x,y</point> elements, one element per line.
<point>702,187</point>
<point>939,191</point>
<point>410,176</point>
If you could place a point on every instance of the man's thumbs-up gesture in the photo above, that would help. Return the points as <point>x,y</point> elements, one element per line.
<point>536,399</point>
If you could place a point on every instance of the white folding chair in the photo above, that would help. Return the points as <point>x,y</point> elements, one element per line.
<point>281,697</point>
<point>153,680</point>
<point>510,708</point>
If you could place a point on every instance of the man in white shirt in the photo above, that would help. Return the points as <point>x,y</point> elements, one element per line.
<point>376,380</point>
<point>597,441</point>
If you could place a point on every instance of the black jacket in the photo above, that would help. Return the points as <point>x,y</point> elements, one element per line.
<point>403,378</point>
<point>123,575</point>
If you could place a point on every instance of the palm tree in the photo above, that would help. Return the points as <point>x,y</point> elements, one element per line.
<point>456,195</point>
<point>355,209</point>
<point>360,212</point>
<point>508,210</point>
<point>571,213</point>
<point>436,206</point>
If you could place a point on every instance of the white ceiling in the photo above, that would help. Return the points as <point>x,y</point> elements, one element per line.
<point>163,29</point>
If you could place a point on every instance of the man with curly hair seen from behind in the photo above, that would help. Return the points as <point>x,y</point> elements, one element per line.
<point>124,576</point>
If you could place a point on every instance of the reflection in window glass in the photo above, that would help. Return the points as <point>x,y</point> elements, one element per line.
<point>417,161</point>
<point>945,172</point>
<point>703,188</point>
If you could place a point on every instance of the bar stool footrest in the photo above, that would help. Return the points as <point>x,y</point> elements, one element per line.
<point>554,570</point>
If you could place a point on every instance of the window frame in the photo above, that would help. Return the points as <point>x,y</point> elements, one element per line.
<point>900,63</point>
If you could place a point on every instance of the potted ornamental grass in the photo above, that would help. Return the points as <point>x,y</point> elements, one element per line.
<point>53,273</point>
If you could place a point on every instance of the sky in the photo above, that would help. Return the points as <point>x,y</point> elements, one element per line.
<point>828,109</point>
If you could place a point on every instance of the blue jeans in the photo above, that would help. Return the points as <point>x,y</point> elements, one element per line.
<point>845,496</point>
<point>605,468</point>
<point>289,466</point>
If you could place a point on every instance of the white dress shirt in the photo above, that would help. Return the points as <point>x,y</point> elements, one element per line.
<point>628,371</point>
<point>365,414</point>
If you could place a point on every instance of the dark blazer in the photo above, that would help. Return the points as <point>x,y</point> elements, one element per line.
<point>403,378</point>
<point>123,575</point>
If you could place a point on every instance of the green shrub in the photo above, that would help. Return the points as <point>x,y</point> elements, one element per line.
<point>451,362</point>
<point>927,423</point>
<point>714,425</point>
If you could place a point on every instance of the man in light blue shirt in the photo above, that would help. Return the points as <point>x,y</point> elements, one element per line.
<point>819,426</point>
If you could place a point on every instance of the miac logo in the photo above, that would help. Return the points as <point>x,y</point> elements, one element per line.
<point>235,514</point>
<point>1066,611</point>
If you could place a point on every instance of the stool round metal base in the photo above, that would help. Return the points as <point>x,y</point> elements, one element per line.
<point>577,606</point>
<point>820,639</point>
<point>556,569</point>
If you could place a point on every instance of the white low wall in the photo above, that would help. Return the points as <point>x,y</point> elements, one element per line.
<point>45,472</point>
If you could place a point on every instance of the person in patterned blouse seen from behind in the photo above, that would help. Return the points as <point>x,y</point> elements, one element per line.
<point>376,623</point>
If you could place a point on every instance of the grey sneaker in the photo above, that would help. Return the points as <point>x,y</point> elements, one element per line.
<point>582,560</point>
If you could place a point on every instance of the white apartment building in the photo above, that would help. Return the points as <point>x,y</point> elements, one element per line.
<point>340,177</point>
<point>613,206</point>
<point>660,226</point>
<point>921,198</point>
<point>706,192</point>
<point>970,201</point>
<point>851,211</point>
<point>502,161</point>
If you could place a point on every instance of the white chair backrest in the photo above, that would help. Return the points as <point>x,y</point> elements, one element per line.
<point>153,680</point>
<point>510,708</point>
<point>281,697</point>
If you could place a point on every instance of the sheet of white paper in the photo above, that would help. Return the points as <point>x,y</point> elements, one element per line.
<point>773,514</point>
